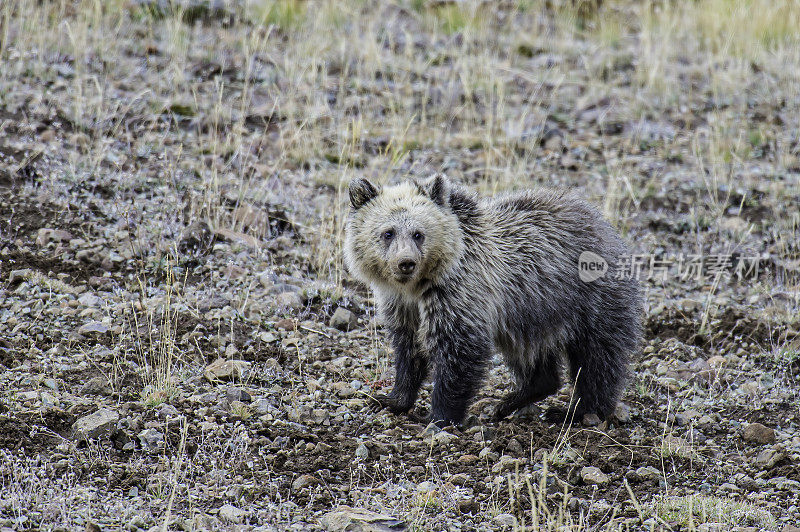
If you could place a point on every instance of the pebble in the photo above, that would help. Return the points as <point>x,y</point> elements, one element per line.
<point>767,458</point>
<point>304,481</point>
<point>758,433</point>
<point>222,369</point>
<point>622,413</point>
<point>505,520</point>
<point>593,475</point>
<point>97,425</point>
<point>231,514</point>
<point>345,518</point>
<point>362,452</point>
<point>168,411</point>
<point>343,319</point>
<point>590,420</point>
<point>289,300</point>
<point>233,393</point>
<point>152,440</point>
<point>93,328</point>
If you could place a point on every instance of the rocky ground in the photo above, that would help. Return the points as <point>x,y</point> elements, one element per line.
<point>180,346</point>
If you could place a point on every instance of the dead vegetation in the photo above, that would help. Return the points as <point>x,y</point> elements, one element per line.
<point>172,185</point>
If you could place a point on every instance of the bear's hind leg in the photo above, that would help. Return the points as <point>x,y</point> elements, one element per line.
<point>600,370</point>
<point>534,383</point>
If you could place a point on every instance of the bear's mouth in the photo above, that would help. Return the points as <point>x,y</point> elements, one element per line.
<point>403,278</point>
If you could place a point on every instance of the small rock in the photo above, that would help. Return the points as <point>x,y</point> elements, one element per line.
<point>93,328</point>
<point>303,481</point>
<point>289,300</point>
<point>45,235</point>
<point>459,479</point>
<point>168,411</point>
<point>222,369</point>
<point>767,458</point>
<point>622,413</point>
<point>233,393</point>
<point>231,514</point>
<point>443,438</point>
<point>506,463</point>
<point>92,527</point>
<point>429,431</point>
<point>593,475</point>
<point>152,440</point>
<point>97,425</point>
<point>350,519</point>
<point>90,300</point>
<point>286,324</point>
<point>96,386</point>
<point>648,473</point>
<point>505,520</point>
<point>267,337</point>
<point>343,319</point>
<point>263,406</point>
<point>717,361</point>
<point>468,506</point>
<point>790,528</point>
<point>758,433</point>
<point>196,239</point>
<point>590,420</point>
<point>17,276</point>
<point>362,452</point>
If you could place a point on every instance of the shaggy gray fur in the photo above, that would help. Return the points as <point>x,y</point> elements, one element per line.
<point>458,277</point>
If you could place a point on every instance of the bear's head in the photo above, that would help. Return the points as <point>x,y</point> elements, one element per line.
<point>402,237</point>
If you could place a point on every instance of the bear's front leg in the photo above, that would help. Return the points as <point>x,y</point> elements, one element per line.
<point>460,351</point>
<point>411,366</point>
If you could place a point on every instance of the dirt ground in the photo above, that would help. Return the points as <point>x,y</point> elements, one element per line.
<point>172,194</point>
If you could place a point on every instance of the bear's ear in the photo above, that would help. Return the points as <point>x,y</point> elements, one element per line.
<point>361,191</point>
<point>437,188</point>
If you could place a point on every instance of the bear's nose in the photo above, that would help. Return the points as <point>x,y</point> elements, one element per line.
<point>407,266</point>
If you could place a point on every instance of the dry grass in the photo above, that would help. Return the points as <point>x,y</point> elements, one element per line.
<point>308,96</point>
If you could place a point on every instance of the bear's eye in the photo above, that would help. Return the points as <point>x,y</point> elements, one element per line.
<point>388,235</point>
<point>418,236</point>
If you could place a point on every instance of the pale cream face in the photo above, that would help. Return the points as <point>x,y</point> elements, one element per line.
<point>401,238</point>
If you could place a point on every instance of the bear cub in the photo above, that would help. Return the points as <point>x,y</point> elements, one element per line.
<point>459,277</point>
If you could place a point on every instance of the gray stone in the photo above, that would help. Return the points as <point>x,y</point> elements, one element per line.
<point>622,413</point>
<point>590,420</point>
<point>233,393</point>
<point>648,473</point>
<point>768,458</point>
<point>97,425</point>
<point>593,475</point>
<point>90,300</point>
<point>231,513</point>
<point>46,235</point>
<point>222,369</point>
<point>152,440</point>
<point>168,411</point>
<point>96,386</point>
<point>350,519</point>
<point>263,406</point>
<point>289,300</point>
<point>505,520</point>
<point>93,328</point>
<point>343,319</point>
<point>17,276</point>
<point>362,452</point>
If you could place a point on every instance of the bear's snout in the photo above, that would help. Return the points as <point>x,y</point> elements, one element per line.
<point>406,267</point>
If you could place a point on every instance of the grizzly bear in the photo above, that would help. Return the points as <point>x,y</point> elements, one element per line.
<point>458,277</point>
